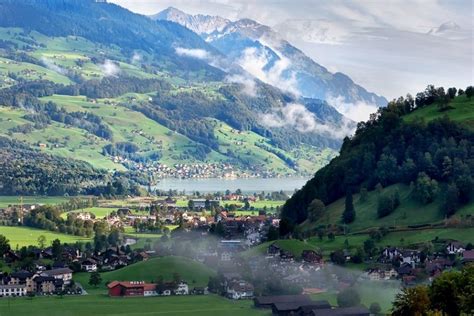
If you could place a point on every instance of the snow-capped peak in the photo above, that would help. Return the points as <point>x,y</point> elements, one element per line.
<point>200,24</point>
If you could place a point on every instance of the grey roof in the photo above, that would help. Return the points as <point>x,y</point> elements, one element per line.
<point>268,300</point>
<point>345,311</point>
<point>57,271</point>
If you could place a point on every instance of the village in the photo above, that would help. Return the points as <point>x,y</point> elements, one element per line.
<point>242,246</point>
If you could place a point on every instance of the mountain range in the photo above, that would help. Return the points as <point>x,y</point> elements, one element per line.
<point>264,53</point>
<point>91,81</point>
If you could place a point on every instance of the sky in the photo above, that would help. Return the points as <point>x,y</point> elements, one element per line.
<point>389,47</point>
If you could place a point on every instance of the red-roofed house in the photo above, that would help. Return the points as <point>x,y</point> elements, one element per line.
<point>131,288</point>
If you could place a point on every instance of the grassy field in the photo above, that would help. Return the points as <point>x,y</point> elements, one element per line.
<point>195,273</point>
<point>462,110</point>
<point>99,212</point>
<point>410,211</point>
<point>100,304</point>
<point>25,236</point>
<point>8,200</point>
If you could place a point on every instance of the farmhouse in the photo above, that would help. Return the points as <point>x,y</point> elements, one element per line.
<point>298,308</point>
<point>240,289</point>
<point>132,288</point>
<point>22,278</point>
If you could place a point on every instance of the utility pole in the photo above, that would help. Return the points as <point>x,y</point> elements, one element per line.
<point>21,210</point>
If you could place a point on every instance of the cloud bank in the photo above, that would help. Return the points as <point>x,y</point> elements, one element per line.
<point>52,66</point>
<point>297,116</point>
<point>109,69</point>
<point>277,73</point>
<point>359,111</point>
<point>192,52</point>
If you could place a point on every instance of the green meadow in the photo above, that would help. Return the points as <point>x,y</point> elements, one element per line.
<point>25,236</point>
<point>100,304</point>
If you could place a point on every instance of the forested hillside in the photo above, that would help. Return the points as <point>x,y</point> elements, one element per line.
<point>431,154</point>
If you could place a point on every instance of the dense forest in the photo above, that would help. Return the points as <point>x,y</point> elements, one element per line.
<point>27,171</point>
<point>435,157</point>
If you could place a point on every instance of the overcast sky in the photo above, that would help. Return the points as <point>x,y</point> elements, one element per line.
<point>389,47</point>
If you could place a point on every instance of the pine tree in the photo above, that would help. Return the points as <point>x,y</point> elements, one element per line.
<point>349,212</point>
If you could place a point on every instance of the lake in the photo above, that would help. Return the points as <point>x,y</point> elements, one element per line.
<point>247,185</point>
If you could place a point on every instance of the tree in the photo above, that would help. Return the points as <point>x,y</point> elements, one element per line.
<point>316,209</point>
<point>452,92</point>
<point>349,212</point>
<point>95,279</point>
<point>338,257</point>
<point>56,248</point>
<point>348,298</point>
<point>425,188</point>
<point>375,308</point>
<point>411,301</point>
<point>451,200</point>
<point>469,92</point>
<point>369,246</point>
<point>272,233</point>
<point>41,241</point>
<point>444,293</point>
<point>176,277</point>
<point>4,245</point>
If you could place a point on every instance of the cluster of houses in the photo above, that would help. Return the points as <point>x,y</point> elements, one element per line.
<point>46,282</point>
<point>408,265</point>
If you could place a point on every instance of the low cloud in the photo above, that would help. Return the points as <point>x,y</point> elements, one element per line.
<point>257,62</point>
<point>247,83</point>
<point>109,69</point>
<point>297,116</point>
<point>136,58</point>
<point>52,66</point>
<point>358,111</point>
<point>192,52</point>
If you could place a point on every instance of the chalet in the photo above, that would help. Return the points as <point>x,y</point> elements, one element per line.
<point>89,265</point>
<point>12,290</point>
<point>240,289</point>
<point>63,274</point>
<point>273,250</point>
<point>468,256</point>
<point>311,256</point>
<point>268,301</point>
<point>286,256</point>
<point>455,247</point>
<point>150,289</point>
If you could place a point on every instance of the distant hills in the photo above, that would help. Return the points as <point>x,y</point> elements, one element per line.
<point>262,52</point>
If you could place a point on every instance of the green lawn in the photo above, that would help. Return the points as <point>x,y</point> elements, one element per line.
<point>100,304</point>
<point>25,236</point>
<point>294,246</point>
<point>462,110</point>
<point>195,273</point>
<point>410,211</point>
<point>99,212</point>
<point>7,200</point>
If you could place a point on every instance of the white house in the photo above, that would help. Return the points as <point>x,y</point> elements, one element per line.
<point>455,248</point>
<point>182,289</point>
<point>89,265</point>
